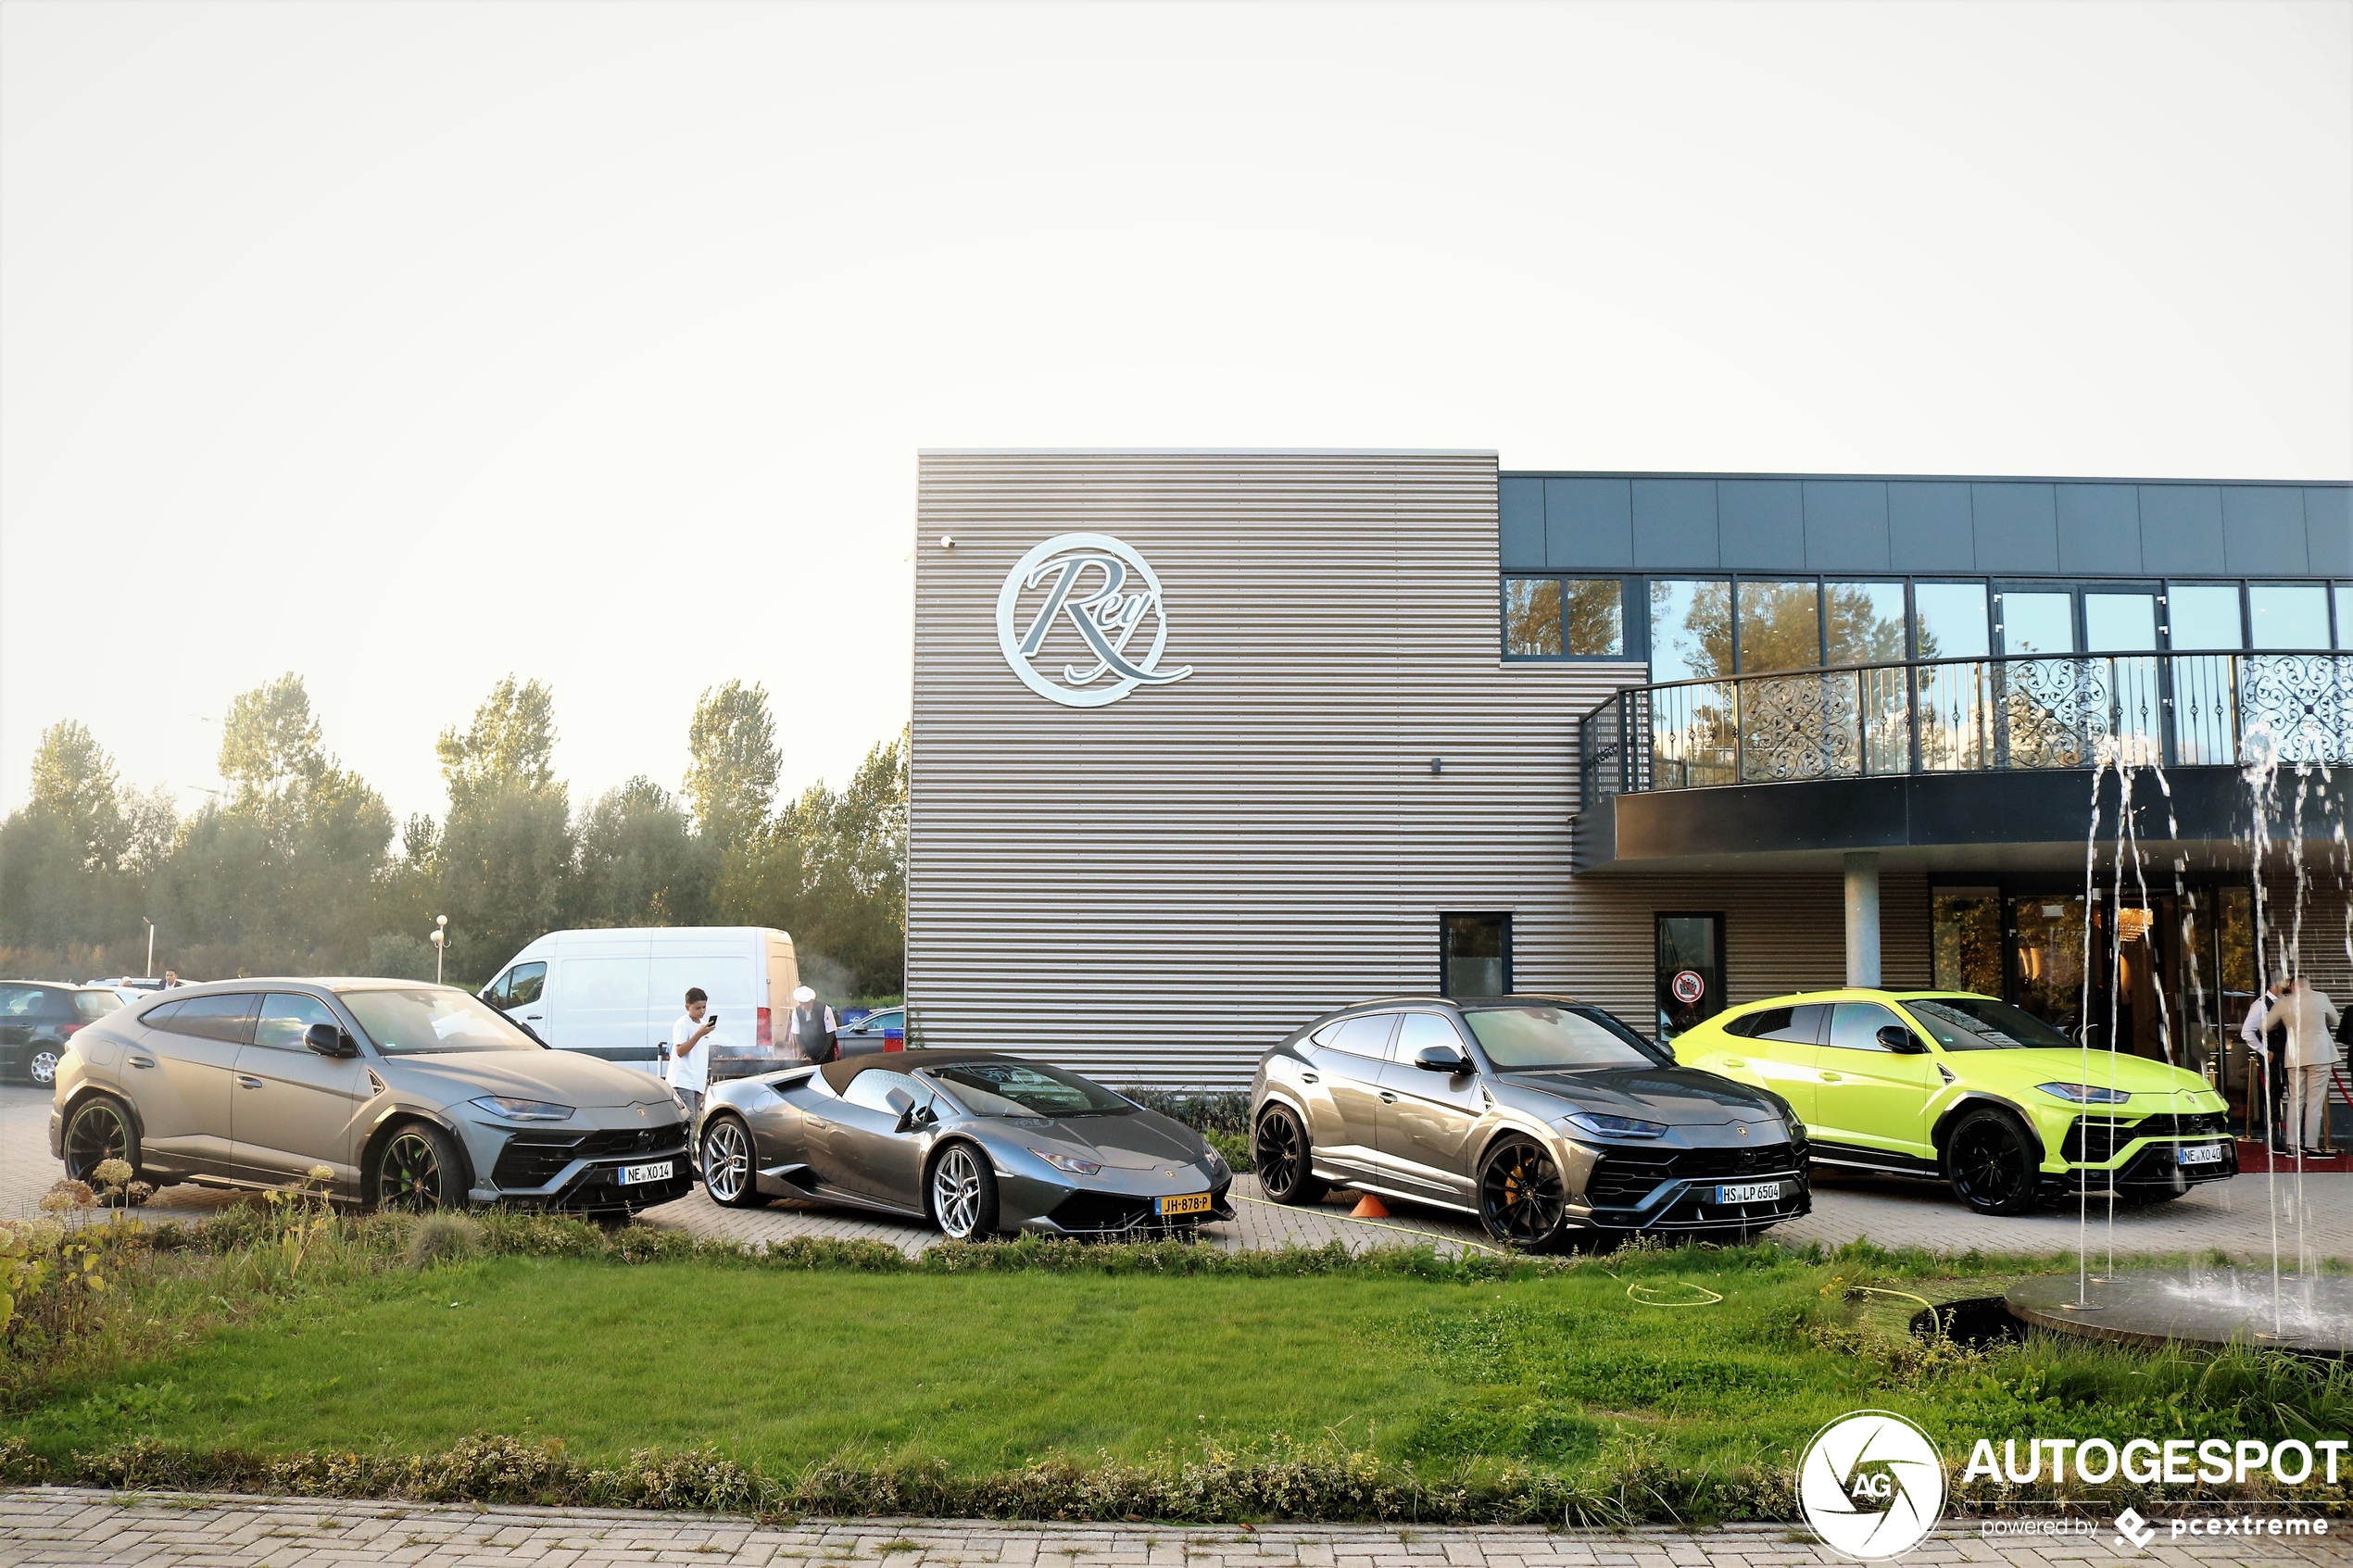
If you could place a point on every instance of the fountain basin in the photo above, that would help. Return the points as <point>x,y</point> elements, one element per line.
<point>2313,1314</point>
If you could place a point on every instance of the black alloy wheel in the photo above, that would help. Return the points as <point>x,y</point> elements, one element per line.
<point>1990,1163</point>
<point>1522,1196</point>
<point>727,1163</point>
<point>1285,1160</point>
<point>417,1171</point>
<point>99,1131</point>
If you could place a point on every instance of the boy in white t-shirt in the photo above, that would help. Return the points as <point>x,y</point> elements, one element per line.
<point>689,1066</point>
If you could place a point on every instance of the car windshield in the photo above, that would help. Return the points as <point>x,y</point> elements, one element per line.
<point>432,1018</point>
<point>1026,1088</point>
<point>1524,1038</point>
<point>1981,1023</point>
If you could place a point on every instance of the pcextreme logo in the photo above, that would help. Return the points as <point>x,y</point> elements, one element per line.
<point>1871,1485</point>
<point>1106,592</point>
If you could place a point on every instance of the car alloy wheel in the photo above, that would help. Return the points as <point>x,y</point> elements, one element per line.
<point>726,1162</point>
<point>1520,1193</point>
<point>1989,1165</point>
<point>43,1067</point>
<point>99,1132</point>
<point>1285,1163</point>
<point>963,1194</point>
<point>412,1174</point>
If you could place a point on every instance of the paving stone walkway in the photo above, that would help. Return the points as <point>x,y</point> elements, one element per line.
<point>60,1527</point>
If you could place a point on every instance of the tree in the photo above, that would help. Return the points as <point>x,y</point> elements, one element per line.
<point>511,746</point>
<point>270,745</point>
<point>732,781</point>
<point>74,783</point>
<point>831,869</point>
<point>641,864</point>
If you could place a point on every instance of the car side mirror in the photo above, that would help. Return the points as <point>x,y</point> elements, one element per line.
<point>1901,1041</point>
<point>328,1039</point>
<point>1440,1058</point>
<point>902,1105</point>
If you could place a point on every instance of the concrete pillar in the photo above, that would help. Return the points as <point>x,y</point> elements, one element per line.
<point>1862,918</point>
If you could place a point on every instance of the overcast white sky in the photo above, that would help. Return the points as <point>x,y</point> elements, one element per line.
<point>409,346</point>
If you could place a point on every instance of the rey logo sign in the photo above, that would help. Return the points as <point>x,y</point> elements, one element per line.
<point>1071,617</point>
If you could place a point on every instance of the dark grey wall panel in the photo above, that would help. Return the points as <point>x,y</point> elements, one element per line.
<point>2328,528</point>
<point>1928,527</point>
<point>2099,530</point>
<point>1675,524</point>
<point>1521,505</point>
<point>2263,529</point>
<point>1760,524</point>
<point>1589,524</point>
<point>1847,525</point>
<point>2182,529</point>
<point>2016,528</point>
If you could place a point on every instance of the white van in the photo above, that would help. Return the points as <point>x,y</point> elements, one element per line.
<point>615,993</point>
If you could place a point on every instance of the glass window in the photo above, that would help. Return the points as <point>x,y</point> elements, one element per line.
<point>2035,622</point>
<point>872,1090</point>
<point>2119,623</point>
<point>1865,621</point>
<point>1521,1038</point>
<point>1691,630</point>
<point>19,1001</point>
<point>1596,608</point>
<point>1690,972</point>
<point>1531,617</point>
<point>95,1004</point>
<point>1366,1036</point>
<point>1981,1023</point>
<point>431,1019</point>
<point>2204,615</point>
<point>2345,615</point>
<point>1855,1026</point>
<point>1949,620</point>
<point>1780,626</point>
<point>1421,1031</point>
<point>1026,1088</point>
<point>1476,955</point>
<point>228,1018</point>
<point>519,985</point>
<point>1966,939</point>
<point>2289,615</point>
<point>1797,1025</point>
<point>285,1015</point>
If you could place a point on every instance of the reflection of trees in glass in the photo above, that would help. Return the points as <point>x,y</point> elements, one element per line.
<point>1967,940</point>
<point>1780,626</point>
<point>1691,630</point>
<point>1866,622</point>
<point>2050,957</point>
<point>1596,608</point>
<point>1532,616</point>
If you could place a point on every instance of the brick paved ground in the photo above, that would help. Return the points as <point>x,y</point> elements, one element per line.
<point>64,1528</point>
<point>2232,1216</point>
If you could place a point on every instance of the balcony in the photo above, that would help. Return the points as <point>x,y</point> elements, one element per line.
<point>1892,749</point>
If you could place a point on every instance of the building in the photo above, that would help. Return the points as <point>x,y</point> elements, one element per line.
<point>1207,743</point>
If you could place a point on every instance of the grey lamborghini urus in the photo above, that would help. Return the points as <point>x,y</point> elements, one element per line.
<point>976,1144</point>
<point>1547,1118</point>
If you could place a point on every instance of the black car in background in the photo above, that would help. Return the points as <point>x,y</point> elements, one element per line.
<point>36,1020</point>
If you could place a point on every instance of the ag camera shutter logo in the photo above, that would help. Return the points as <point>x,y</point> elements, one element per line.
<point>1871,1485</point>
<point>1104,591</point>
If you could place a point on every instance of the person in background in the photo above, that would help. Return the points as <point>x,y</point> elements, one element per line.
<point>689,1067</point>
<point>2311,1019</point>
<point>812,1028</point>
<point>2258,1048</point>
<point>170,978</point>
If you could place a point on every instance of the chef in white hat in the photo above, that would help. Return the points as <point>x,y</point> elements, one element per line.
<point>812,1028</point>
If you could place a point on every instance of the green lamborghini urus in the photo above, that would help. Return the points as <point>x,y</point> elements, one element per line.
<point>1972,1091</point>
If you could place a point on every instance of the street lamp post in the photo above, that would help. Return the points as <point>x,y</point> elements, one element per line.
<point>151,947</point>
<point>440,944</point>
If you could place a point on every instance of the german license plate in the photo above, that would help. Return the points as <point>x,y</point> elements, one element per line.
<point>1189,1203</point>
<point>633,1175</point>
<point>1748,1192</point>
<point>2198,1153</point>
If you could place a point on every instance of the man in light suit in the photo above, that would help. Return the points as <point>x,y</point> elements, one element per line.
<point>2309,1018</point>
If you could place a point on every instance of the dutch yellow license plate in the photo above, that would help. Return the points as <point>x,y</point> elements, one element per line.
<point>1191,1203</point>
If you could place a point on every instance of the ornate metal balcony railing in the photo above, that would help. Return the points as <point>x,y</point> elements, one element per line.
<point>1970,715</point>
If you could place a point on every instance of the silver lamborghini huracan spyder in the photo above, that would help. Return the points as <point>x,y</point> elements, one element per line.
<point>974,1142</point>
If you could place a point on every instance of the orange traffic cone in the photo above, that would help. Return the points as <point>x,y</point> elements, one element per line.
<point>1369,1208</point>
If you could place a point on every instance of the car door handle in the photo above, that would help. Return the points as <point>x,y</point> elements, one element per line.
<point>142,1061</point>
<point>1387,1097</point>
<point>819,1122</point>
<point>1834,1078</point>
<point>531,1018</point>
<point>1735,1062</point>
<point>1310,1078</point>
<point>246,1082</point>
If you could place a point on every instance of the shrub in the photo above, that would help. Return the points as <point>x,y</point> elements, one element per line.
<point>444,1238</point>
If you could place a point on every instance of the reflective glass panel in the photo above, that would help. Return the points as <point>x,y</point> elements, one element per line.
<point>2345,615</point>
<point>1780,626</point>
<point>1950,619</point>
<point>2038,622</point>
<point>1531,617</point>
<point>2288,615</point>
<point>287,1018</point>
<point>2119,623</point>
<point>1691,630</point>
<point>1596,614</point>
<point>1865,621</point>
<point>2204,615</point>
<point>1964,939</point>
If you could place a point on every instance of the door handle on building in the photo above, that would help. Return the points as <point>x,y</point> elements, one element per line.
<point>246,1082</point>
